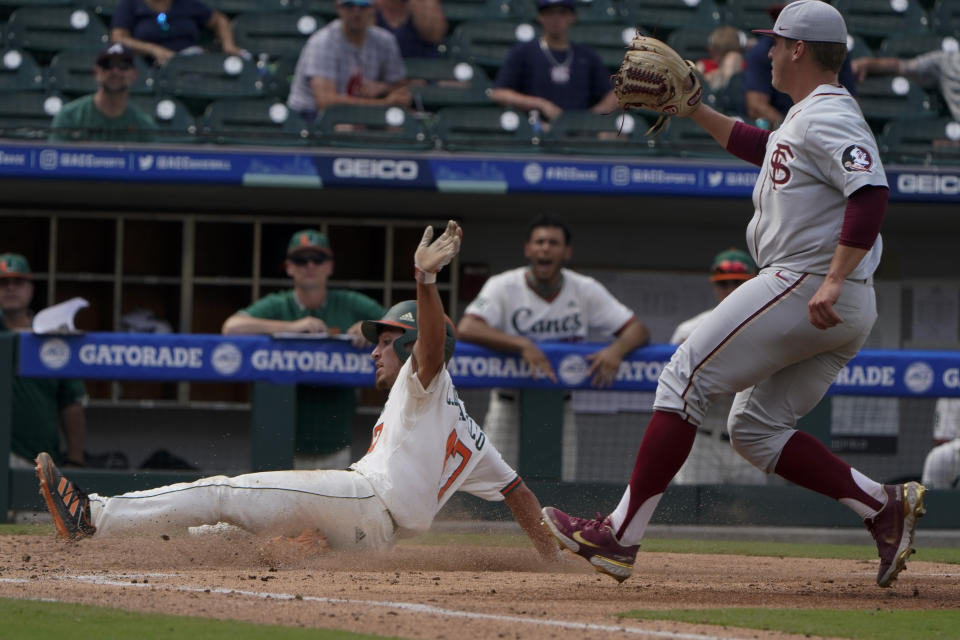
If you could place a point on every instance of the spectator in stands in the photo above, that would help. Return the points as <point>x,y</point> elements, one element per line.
<point>544,301</point>
<point>349,61</point>
<point>932,68</point>
<point>712,460</point>
<point>418,25</point>
<point>941,469</point>
<point>764,104</point>
<point>553,74</point>
<point>726,58</point>
<point>43,408</point>
<point>161,29</point>
<point>106,115</point>
<point>324,429</point>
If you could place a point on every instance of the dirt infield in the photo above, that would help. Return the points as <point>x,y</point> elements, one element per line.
<point>423,591</point>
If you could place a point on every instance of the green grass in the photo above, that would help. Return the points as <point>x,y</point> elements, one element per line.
<point>35,620</point>
<point>856,624</point>
<point>26,529</point>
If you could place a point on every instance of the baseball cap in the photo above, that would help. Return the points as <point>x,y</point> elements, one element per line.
<point>809,20</point>
<point>309,239</point>
<point>115,50</point>
<point>14,265</point>
<point>546,4</point>
<point>732,264</point>
<point>355,3</point>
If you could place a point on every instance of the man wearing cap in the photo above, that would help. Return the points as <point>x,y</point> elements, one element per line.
<point>349,61</point>
<point>43,408</point>
<point>324,414</point>
<point>761,100</point>
<point>712,460</point>
<point>106,115</point>
<point>780,339</point>
<point>553,74</point>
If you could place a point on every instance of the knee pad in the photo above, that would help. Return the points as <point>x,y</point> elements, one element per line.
<point>758,443</point>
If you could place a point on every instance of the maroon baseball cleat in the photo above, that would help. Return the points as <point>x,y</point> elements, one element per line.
<point>68,505</point>
<point>893,528</point>
<point>593,540</point>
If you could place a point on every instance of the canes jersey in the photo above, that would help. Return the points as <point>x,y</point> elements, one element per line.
<point>583,305</point>
<point>425,447</point>
<point>823,152</point>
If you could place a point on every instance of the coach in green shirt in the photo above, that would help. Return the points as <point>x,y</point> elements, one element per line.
<point>42,407</point>
<point>324,414</point>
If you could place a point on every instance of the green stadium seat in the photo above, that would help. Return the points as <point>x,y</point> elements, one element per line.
<point>488,42</point>
<point>884,98</point>
<point>175,123</point>
<point>684,138</point>
<point>371,127</point>
<point>46,30</point>
<point>324,8</point>
<point>881,18</point>
<point>277,35</point>
<point>257,121</point>
<point>909,141</point>
<point>103,8</point>
<point>236,7</point>
<point>584,132</point>
<point>485,129</point>
<point>20,72</point>
<point>659,17</point>
<point>608,40</point>
<point>749,14</point>
<point>912,45</point>
<point>438,82</point>
<point>857,47</point>
<point>946,17</point>
<point>691,42</point>
<point>588,11</point>
<point>27,114</point>
<point>71,73</point>
<point>200,79</point>
<point>458,11</point>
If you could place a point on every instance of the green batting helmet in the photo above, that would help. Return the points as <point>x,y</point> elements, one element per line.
<point>403,315</point>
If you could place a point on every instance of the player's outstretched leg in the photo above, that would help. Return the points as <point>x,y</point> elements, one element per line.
<point>593,540</point>
<point>68,505</point>
<point>893,528</point>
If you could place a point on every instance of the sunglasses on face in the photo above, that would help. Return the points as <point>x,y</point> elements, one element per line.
<point>120,65</point>
<point>315,258</point>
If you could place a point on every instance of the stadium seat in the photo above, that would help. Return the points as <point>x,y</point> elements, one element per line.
<point>103,8</point>
<point>371,127</point>
<point>583,132</point>
<point>277,35</point>
<point>749,14</point>
<point>488,42</point>
<point>484,129</point>
<point>912,45</point>
<point>46,30</point>
<point>884,98</point>
<point>200,79</point>
<point>174,121</point>
<point>946,17</point>
<point>659,17</point>
<point>691,42</point>
<point>438,82</point>
<point>880,18</point>
<point>459,11</point>
<point>684,138</point>
<point>910,141</point>
<point>257,121</point>
<point>857,47</point>
<point>324,8</point>
<point>71,73</point>
<point>588,11</point>
<point>19,72</point>
<point>608,40</point>
<point>27,114</point>
<point>236,7</point>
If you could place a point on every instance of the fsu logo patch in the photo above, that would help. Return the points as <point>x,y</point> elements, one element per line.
<point>856,158</point>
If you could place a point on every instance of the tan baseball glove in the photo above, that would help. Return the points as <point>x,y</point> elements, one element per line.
<point>654,76</point>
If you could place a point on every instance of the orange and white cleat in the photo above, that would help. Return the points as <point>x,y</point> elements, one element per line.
<point>68,505</point>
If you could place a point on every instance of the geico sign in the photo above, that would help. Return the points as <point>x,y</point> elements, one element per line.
<point>951,378</point>
<point>928,183</point>
<point>379,169</point>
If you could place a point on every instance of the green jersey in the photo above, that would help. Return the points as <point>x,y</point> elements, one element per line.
<point>81,120</point>
<point>324,414</point>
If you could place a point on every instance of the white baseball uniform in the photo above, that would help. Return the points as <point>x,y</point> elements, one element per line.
<point>941,469</point>
<point>582,307</point>
<point>424,448</point>
<point>759,342</point>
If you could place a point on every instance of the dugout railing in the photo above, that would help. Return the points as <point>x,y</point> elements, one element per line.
<point>273,367</point>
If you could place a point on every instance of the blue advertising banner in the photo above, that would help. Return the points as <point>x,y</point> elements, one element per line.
<point>336,362</point>
<point>445,173</point>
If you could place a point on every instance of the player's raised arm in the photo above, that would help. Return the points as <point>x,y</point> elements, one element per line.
<point>431,256</point>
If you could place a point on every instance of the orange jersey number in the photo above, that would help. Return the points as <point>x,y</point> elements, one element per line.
<point>455,447</point>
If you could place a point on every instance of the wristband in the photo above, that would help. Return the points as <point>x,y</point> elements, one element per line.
<point>426,277</point>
